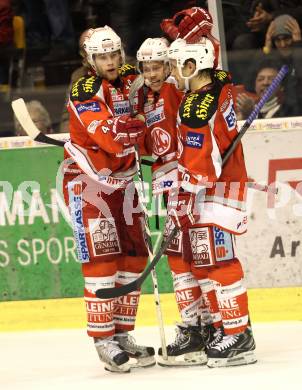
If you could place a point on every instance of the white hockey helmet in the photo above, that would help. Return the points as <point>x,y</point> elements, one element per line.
<point>103,40</point>
<point>203,53</point>
<point>153,49</point>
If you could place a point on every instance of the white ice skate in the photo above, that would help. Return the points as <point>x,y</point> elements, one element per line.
<point>188,348</point>
<point>140,355</point>
<point>115,359</point>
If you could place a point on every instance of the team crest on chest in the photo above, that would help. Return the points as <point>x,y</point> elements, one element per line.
<point>161,141</point>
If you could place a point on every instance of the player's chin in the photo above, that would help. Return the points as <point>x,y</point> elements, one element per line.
<point>156,86</point>
<point>111,75</point>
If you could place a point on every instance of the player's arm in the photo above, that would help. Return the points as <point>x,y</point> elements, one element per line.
<point>97,122</point>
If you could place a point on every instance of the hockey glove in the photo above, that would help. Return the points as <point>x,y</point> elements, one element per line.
<point>127,130</point>
<point>181,209</point>
<point>190,24</point>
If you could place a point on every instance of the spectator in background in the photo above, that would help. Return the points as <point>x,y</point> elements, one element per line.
<point>49,21</point>
<point>40,117</point>
<point>284,38</point>
<point>6,35</point>
<point>276,106</point>
<point>137,20</point>
<point>6,23</point>
<point>262,12</point>
<point>284,33</point>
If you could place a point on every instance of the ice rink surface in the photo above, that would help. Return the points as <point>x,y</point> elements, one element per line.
<point>67,360</point>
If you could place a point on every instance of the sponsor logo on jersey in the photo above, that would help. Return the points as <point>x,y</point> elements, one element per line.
<point>221,75</point>
<point>75,206</point>
<point>188,105</point>
<point>92,106</point>
<point>161,141</point>
<point>223,244</point>
<point>201,247</point>
<point>104,236</point>
<point>92,126</point>
<point>162,185</point>
<point>116,96</point>
<point>85,88</point>
<point>155,116</point>
<point>203,106</point>
<point>194,140</point>
<point>121,108</point>
<point>230,117</point>
<point>176,245</point>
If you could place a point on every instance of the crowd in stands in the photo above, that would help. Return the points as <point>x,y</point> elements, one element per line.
<point>260,36</point>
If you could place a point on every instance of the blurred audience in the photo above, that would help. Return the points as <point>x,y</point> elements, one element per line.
<point>283,37</point>
<point>6,36</point>
<point>6,23</point>
<point>49,24</point>
<point>276,106</point>
<point>137,20</point>
<point>262,12</point>
<point>40,117</point>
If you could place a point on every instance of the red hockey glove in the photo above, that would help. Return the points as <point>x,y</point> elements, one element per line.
<point>190,24</point>
<point>193,23</point>
<point>181,209</point>
<point>127,130</point>
<point>169,28</point>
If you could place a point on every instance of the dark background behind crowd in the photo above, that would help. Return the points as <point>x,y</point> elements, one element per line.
<point>39,48</point>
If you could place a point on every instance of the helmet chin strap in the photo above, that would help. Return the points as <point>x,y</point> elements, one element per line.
<point>187,78</point>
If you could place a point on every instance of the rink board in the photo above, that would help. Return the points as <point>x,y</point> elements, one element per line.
<point>37,250</point>
<point>265,305</point>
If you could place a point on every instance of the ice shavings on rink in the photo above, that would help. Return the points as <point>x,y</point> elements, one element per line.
<point>67,360</point>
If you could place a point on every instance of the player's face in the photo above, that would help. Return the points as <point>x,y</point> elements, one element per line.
<point>176,74</point>
<point>107,65</point>
<point>264,79</point>
<point>154,73</point>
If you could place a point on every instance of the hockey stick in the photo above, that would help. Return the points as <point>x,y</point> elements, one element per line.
<point>22,114</point>
<point>127,288</point>
<point>135,87</point>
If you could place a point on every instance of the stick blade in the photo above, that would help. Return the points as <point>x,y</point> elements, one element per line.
<point>22,114</point>
<point>114,292</point>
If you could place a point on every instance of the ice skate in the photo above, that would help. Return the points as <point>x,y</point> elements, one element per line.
<point>212,335</point>
<point>141,356</point>
<point>233,350</point>
<point>188,349</point>
<point>115,359</point>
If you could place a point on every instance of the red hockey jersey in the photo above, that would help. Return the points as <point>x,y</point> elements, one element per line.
<point>93,103</point>
<point>207,125</point>
<point>160,111</point>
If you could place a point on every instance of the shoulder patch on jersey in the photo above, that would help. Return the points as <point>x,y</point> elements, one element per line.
<point>127,70</point>
<point>222,76</point>
<point>85,88</point>
<point>197,109</point>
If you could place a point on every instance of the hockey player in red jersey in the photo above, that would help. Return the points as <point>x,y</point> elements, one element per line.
<point>209,205</point>
<point>161,102</point>
<point>98,187</point>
